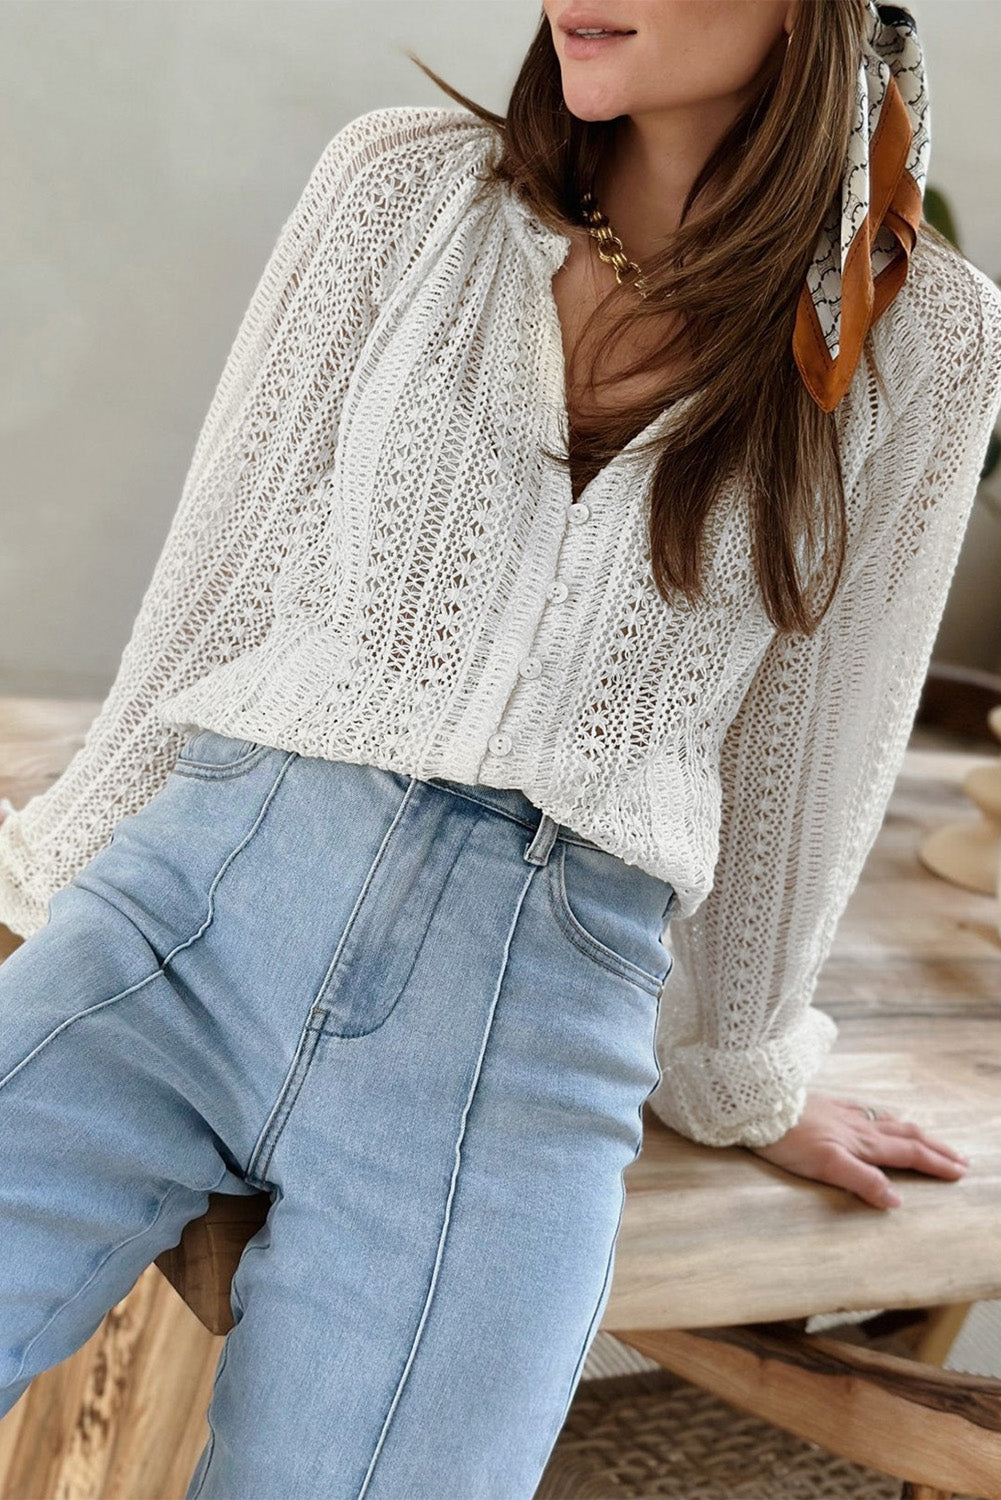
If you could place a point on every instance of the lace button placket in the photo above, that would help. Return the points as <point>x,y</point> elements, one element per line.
<point>530,667</point>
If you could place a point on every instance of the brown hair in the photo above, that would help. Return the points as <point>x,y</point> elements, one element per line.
<point>736,275</point>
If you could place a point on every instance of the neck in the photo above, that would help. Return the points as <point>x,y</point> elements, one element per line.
<point>655,158</point>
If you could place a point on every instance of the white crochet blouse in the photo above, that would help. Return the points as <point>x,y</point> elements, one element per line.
<point>371,561</point>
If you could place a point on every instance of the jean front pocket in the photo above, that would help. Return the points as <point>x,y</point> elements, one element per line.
<point>208,755</point>
<point>612,912</point>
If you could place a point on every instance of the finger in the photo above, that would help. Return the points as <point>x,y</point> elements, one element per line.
<point>916,1154</point>
<point>841,1168</point>
<point>857,1108</point>
<point>851,1104</point>
<point>909,1128</point>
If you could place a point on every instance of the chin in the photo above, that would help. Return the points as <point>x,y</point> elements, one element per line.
<point>594,104</point>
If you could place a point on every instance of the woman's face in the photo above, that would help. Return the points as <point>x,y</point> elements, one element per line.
<point>672,53</point>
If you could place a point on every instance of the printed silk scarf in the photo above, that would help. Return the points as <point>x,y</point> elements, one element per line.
<point>864,248</point>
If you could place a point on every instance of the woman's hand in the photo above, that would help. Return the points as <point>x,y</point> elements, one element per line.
<point>835,1141</point>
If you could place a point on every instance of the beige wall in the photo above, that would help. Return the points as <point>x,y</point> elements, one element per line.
<point>151,151</point>
<point>962,42</point>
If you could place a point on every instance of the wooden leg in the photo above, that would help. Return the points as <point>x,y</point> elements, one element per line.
<point>939,1429</point>
<point>940,1332</point>
<point>201,1266</point>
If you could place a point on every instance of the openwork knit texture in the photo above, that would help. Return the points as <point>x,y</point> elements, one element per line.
<point>362,567</point>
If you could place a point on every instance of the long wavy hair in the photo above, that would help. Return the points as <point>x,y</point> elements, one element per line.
<point>734,275</point>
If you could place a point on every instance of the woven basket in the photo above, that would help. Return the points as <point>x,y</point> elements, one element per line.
<point>653,1434</point>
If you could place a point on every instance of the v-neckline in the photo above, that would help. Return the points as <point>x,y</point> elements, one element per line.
<point>558,400</point>
<point>556,394</point>
<point>552,247</point>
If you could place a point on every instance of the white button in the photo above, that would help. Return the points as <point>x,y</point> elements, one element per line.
<point>531,666</point>
<point>558,591</point>
<point>500,744</point>
<point>578,511</point>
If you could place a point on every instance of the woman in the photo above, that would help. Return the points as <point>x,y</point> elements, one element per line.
<point>356,891</point>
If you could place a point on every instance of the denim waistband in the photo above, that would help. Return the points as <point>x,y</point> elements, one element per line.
<point>511,802</point>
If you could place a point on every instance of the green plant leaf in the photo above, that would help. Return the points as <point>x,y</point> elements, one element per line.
<point>939,214</point>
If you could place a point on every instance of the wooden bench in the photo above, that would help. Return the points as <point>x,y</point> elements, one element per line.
<point>721,1257</point>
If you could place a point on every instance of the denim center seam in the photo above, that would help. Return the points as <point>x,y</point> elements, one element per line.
<point>447,1216</point>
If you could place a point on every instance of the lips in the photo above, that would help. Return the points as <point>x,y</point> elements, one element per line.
<point>580,22</point>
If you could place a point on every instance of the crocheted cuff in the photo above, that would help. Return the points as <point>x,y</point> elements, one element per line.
<point>723,1097</point>
<point>22,913</point>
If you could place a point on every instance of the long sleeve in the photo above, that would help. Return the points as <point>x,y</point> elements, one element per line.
<point>266,440</point>
<point>808,764</point>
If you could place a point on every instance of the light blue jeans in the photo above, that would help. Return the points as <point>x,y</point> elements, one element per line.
<point>419,1015</point>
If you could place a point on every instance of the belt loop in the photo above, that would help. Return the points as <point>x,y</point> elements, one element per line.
<point>537,852</point>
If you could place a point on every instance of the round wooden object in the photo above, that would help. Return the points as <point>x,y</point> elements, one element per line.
<point>967,854</point>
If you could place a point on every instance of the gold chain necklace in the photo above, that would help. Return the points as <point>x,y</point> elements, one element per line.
<point>604,235</point>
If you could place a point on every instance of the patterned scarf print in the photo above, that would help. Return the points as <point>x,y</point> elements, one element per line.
<point>864,248</point>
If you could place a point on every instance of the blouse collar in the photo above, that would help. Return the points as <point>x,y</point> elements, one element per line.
<point>551,244</point>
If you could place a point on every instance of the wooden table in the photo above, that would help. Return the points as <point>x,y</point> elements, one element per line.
<point>722,1256</point>
<point>721,1239</point>
<point>914,983</point>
